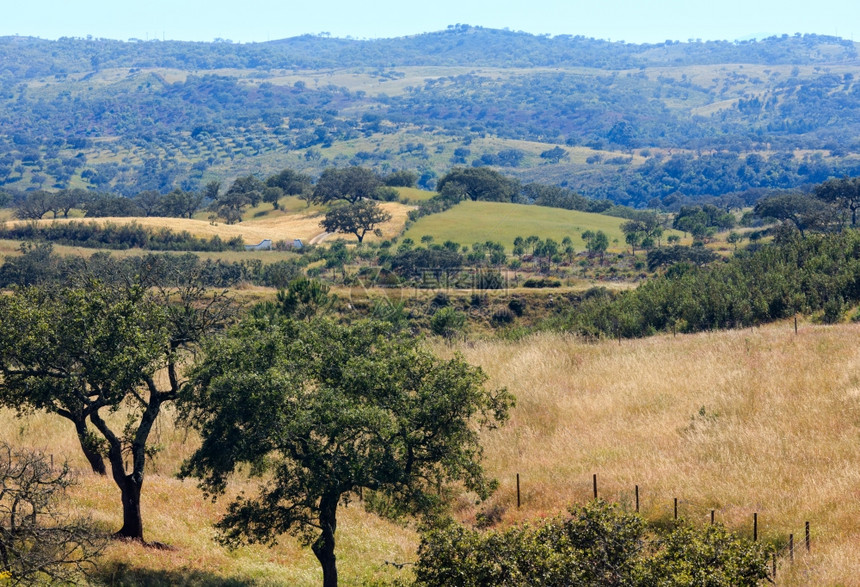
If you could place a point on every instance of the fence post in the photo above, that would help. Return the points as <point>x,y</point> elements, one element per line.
<point>595,485</point>
<point>712,517</point>
<point>676,508</point>
<point>795,323</point>
<point>807,537</point>
<point>791,547</point>
<point>637,499</point>
<point>755,526</point>
<point>518,491</point>
<point>774,564</point>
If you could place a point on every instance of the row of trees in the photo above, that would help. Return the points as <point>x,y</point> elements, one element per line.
<point>819,273</point>
<point>37,204</point>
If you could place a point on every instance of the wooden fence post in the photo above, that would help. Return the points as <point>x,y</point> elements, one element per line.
<point>518,491</point>
<point>637,499</point>
<point>676,508</point>
<point>595,485</point>
<point>755,526</point>
<point>807,537</point>
<point>712,517</point>
<point>791,547</point>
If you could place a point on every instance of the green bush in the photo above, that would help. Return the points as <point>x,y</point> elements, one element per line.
<point>447,322</point>
<point>599,544</point>
<point>540,282</point>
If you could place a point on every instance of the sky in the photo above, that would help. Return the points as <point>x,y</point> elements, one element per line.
<point>262,20</point>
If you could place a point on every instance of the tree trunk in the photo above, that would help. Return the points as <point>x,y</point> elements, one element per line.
<point>324,546</point>
<point>97,463</point>
<point>132,523</point>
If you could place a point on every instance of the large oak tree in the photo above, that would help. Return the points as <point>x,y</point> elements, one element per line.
<point>324,412</point>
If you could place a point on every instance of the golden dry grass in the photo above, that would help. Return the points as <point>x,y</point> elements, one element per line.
<point>274,225</point>
<point>740,422</point>
<point>756,420</point>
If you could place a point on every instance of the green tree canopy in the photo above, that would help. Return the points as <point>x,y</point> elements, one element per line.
<point>358,218</point>
<point>844,193</point>
<point>328,411</point>
<point>290,182</point>
<point>83,352</point>
<point>351,184</point>
<point>479,183</point>
<point>598,544</point>
<point>804,212</point>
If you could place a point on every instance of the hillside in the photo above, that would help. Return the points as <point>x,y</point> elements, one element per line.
<point>639,124</point>
<point>478,222</point>
<point>766,426</point>
<point>261,223</point>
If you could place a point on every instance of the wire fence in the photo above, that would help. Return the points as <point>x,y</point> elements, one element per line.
<point>793,552</point>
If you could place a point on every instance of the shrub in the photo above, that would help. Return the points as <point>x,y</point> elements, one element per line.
<point>447,322</point>
<point>517,306</point>
<point>503,316</point>
<point>598,544</point>
<point>541,282</point>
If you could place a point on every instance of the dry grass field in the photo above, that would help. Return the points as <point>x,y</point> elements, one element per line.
<point>259,224</point>
<point>758,420</point>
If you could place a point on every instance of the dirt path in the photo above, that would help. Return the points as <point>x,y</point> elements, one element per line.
<point>320,238</point>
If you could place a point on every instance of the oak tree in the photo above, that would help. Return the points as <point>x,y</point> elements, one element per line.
<point>358,218</point>
<point>83,353</point>
<point>327,412</point>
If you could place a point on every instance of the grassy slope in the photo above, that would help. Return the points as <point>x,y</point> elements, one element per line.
<point>745,421</point>
<point>293,221</point>
<point>471,222</point>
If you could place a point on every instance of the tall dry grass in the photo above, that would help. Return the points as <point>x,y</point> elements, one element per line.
<point>744,421</point>
<point>177,514</point>
<point>739,422</point>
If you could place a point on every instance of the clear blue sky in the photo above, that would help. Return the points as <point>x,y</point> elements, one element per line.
<point>260,20</point>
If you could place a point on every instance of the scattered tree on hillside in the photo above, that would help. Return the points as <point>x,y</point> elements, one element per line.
<point>84,352</point>
<point>843,193</point>
<point>65,200</point>
<point>804,212</point>
<point>351,184</point>
<point>338,410</point>
<point>358,218</point>
<point>478,183</point>
<point>290,182</point>
<point>596,243</point>
<point>555,154</point>
<point>35,205</point>
<point>642,229</point>
<point>180,203</point>
<point>243,192</point>
<point>403,178</point>
<point>149,201</point>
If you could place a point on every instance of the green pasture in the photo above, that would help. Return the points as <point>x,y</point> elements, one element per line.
<point>414,194</point>
<point>471,222</point>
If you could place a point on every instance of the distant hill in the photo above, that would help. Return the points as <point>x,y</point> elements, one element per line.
<point>651,124</point>
<point>460,45</point>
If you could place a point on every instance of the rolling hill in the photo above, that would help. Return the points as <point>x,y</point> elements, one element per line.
<point>478,222</point>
